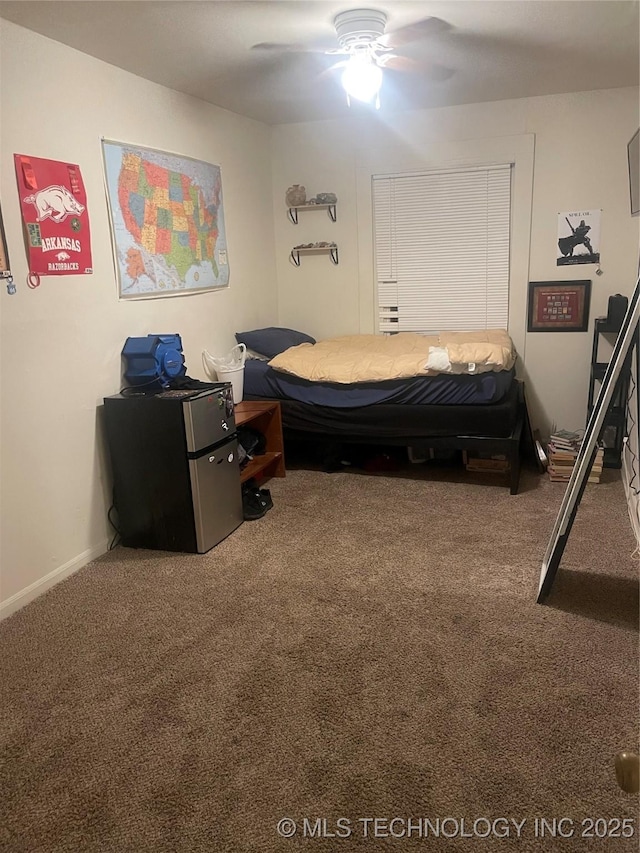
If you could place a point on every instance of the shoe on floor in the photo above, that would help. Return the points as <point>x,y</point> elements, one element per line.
<point>255,501</point>
<point>251,508</point>
<point>265,494</point>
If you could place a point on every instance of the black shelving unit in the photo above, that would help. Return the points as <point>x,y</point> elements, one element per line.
<point>613,430</point>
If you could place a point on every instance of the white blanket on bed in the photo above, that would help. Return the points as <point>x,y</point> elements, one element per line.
<point>374,358</point>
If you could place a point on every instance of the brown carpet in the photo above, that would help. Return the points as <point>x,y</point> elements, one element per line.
<point>371,648</point>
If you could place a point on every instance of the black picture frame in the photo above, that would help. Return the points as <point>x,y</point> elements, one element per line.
<point>633,159</point>
<point>5,266</point>
<point>558,306</point>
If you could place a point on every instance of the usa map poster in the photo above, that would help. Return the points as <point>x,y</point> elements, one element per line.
<point>54,211</point>
<point>167,222</point>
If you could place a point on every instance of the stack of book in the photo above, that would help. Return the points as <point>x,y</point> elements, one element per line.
<point>563,450</point>
<point>495,463</point>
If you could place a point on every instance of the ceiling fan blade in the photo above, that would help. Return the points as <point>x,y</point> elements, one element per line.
<point>328,72</point>
<point>413,32</point>
<point>282,48</point>
<point>397,63</point>
<point>291,48</point>
<point>427,69</point>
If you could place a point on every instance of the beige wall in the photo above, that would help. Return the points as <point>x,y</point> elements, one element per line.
<point>579,161</point>
<point>61,343</point>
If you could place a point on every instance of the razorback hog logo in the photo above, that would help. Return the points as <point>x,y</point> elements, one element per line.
<point>63,256</point>
<point>54,202</point>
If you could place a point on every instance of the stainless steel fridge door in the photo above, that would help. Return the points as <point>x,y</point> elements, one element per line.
<point>216,493</point>
<point>208,418</point>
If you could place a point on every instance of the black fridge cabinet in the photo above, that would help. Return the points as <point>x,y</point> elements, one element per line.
<point>176,476</point>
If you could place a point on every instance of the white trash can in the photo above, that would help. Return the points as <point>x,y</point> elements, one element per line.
<point>230,368</point>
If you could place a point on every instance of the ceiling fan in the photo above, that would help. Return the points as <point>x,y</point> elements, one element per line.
<point>369,50</point>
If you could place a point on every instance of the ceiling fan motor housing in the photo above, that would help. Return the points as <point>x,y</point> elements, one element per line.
<point>359,27</point>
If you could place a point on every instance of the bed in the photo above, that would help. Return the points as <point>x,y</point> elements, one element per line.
<point>482,413</point>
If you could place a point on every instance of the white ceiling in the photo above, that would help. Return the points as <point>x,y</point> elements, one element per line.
<point>497,49</point>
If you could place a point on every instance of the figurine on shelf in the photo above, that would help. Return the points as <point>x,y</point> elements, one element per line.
<point>326,198</point>
<point>323,244</point>
<point>296,196</point>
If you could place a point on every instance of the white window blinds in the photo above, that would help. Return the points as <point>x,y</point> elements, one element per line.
<point>442,249</point>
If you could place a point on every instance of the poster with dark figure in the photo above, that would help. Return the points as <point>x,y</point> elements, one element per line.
<point>578,238</point>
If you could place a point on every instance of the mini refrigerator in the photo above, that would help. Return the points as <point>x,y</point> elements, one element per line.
<point>176,476</point>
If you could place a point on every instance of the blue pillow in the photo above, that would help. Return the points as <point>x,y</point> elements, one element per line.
<point>273,340</point>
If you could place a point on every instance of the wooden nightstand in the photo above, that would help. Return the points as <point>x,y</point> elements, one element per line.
<point>264,416</point>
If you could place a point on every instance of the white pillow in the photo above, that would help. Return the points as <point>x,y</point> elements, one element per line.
<point>438,360</point>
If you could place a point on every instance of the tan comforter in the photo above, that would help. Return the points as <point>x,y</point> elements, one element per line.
<point>373,358</point>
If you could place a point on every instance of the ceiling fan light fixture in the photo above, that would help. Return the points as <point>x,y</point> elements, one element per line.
<point>362,79</point>
<point>359,27</point>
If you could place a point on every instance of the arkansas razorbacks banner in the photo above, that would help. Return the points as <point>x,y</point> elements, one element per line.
<point>56,220</point>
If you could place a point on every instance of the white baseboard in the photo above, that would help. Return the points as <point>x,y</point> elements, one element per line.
<point>38,587</point>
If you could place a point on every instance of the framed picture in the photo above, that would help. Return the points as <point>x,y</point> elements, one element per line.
<point>633,157</point>
<point>558,306</point>
<point>5,268</point>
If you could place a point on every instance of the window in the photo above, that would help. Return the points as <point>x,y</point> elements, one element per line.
<point>441,242</point>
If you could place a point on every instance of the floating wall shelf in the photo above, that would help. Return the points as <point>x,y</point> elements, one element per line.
<point>332,251</point>
<point>330,208</point>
